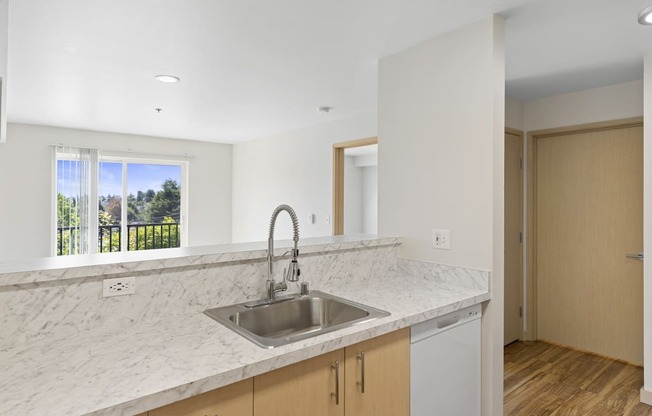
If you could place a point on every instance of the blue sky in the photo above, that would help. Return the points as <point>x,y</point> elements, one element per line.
<point>141,177</point>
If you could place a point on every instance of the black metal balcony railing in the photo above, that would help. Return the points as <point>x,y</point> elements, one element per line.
<point>140,237</point>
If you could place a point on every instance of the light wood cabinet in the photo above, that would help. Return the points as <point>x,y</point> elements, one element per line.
<point>313,387</point>
<point>327,385</point>
<point>232,400</point>
<point>308,387</point>
<point>380,366</point>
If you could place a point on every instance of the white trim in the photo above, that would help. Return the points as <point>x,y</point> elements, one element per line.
<point>53,205</point>
<point>646,396</point>
<point>160,159</point>
<point>185,167</point>
<point>124,209</point>
<point>93,206</point>
<point>122,154</point>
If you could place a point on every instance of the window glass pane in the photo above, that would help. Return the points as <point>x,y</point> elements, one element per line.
<point>110,206</point>
<point>153,206</point>
<point>67,207</point>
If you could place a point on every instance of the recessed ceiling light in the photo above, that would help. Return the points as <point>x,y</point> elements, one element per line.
<point>645,16</point>
<point>325,109</point>
<point>170,79</point>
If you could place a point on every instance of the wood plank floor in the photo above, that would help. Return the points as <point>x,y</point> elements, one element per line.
<point>544,379</point>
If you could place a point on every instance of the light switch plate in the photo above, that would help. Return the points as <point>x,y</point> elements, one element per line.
<point>441,239</point>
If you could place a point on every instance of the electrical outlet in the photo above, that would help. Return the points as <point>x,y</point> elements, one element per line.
<point>327,218</point>
<point>118,287</point>
<point>441,239</point>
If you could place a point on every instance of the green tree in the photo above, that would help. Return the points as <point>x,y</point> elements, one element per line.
<point>66,211</point>
<point>166,202</point>
<point>113,207</point>
<point>67,223</point>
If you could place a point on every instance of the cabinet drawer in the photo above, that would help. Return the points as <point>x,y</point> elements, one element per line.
<point>232,400</point>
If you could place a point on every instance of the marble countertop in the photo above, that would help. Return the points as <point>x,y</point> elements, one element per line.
<point>45,269</point>
<point>145,366</point>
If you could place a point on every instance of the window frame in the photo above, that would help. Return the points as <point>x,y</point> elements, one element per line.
<point>125,159</point>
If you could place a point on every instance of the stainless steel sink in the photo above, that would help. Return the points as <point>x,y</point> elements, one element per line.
<point>292,318</point>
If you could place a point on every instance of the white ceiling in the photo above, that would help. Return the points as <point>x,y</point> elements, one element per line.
<point>560,46</point>
<point>254,68</point>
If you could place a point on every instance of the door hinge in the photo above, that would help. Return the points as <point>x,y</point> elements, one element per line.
<point>520,163</point>
<point>520,311</point>
<point>520,237</point>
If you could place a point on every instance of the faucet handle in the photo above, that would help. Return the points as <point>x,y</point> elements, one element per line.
<point>293,272</point>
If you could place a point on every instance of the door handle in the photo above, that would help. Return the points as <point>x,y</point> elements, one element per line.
<point>638,256</point>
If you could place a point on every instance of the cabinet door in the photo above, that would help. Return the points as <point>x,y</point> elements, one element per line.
<point>306,388</point>
<point>378,376</point>
<point>232,400</point>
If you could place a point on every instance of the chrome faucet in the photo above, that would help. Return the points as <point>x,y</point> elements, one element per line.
<point>293,272</point>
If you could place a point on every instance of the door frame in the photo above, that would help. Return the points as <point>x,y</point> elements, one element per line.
<point>338,179</point>
<point>530,309</point>
<point>521,135</point>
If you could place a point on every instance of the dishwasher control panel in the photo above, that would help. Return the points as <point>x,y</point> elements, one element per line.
<point>445,322</point>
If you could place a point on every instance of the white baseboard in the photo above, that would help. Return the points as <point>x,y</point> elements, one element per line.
<point>646,396</point>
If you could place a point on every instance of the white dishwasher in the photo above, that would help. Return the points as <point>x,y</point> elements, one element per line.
<point>445,365</point>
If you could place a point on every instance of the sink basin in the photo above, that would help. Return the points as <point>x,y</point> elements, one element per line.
<point>292,318</point>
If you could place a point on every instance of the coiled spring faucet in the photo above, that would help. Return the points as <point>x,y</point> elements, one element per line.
<point>293,272</point>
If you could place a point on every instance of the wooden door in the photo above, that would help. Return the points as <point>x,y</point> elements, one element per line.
<point>589,215</point>
<point>306,388</point>
<point>513,236</point>
<point>232,400</point>
<point>386,376</point>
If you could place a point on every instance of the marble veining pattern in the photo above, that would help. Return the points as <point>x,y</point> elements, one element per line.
<point>65,350</point>
<point>152,363</point>
<point>443,273</point>
<point>73,307</point>
<point>75,267</point>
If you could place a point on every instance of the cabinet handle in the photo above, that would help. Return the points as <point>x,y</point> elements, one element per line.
<point>361,382</point>
<point>336,367</point>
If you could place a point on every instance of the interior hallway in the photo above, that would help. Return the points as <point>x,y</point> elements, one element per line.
<point>544,379</point>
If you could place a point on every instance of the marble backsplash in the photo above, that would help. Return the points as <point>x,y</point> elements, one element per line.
<point>57,309</point>
<point>453,275</point>
<point>65,308</point>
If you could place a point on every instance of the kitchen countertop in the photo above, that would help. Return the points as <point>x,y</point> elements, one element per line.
<point>148,365</point>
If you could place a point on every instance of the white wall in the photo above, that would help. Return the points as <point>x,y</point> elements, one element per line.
<point>26,184</point>
<point>646,391</point>
<point>612,102</point>
<point>4,43</point>
<point>293,168</point>
<point>513,113</point>
<point>352,196</point>
<point>370,200</point>
<point>435,146</point>
<point>441,113</point>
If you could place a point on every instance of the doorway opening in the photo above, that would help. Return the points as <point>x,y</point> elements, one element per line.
<point>513,235</point>
<point>355,187</point>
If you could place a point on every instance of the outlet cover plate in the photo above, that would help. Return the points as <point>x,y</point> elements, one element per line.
<point>118,287</point>
<point>441,239</point>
